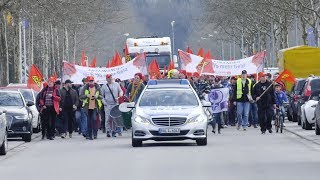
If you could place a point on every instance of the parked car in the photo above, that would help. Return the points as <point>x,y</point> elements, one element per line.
<point>307,111</point>
<point>19,110</point>
<point>293,98</point>
<point>312,84</point>
<point>3,133</point>
<point>29,95</point>
<point>169,110</point>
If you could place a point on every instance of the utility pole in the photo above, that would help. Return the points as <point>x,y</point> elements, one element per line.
<point>172,25</point>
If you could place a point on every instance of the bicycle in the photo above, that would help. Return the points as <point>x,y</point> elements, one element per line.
<point>278,120</point>
<point>279,117</point>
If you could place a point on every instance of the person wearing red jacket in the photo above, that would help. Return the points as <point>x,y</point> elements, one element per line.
<point>48,102</point>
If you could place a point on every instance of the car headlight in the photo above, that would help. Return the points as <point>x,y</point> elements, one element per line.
<point>22,117</point>
<point>197,118</point>
<point>142,120</point>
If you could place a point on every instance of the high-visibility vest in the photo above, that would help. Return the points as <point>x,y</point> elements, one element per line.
<point>86,92</point>
<point>239,87</point>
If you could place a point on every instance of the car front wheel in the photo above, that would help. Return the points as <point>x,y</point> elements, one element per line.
<point>136,143</point>
<point>202,142</point>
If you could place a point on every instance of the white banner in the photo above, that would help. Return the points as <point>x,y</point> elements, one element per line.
<point>124,72</point>
<point>189,62</point>
<point>252,65</point>
<point>219,99</point>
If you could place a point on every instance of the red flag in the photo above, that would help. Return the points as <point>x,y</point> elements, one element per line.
<point>287,76</point>
<point>93,62</point>
<point>201,52</point>
<point>208,55</point>
<point>164,71</point>
<point>189,50</point>
<point>35,78</point>
<point>108,64</point>
<point>83,59</point>
<point>55,76</point>
<point>171,65</point>
<point>126,51</point>
<point>232,59</point>
<point>154,68</point>
<point>116,61</point>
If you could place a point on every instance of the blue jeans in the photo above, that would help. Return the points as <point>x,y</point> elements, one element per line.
<point>81,118</point>
<point>243,113</point>
<point>254,114</point>
<point>216,119</point>
<point>92,123</point>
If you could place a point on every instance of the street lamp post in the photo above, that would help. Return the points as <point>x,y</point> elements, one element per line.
<point>172,25</point>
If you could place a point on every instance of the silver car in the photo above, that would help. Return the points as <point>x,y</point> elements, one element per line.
<point>169,110</point>
<point>3,133</point>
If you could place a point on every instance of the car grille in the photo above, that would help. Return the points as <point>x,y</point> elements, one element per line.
<point>169,121</point>
<point>182,133</point>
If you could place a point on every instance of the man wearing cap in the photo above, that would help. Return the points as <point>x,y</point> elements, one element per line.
<point>242,98</point>
<point>48,102</point>
<point>110,93</point>
<point>266,103</point>
<point>69,102</point>
<point>91,96</point>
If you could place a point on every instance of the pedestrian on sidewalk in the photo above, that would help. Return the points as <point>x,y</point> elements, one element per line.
<point>266,103</point>
<point>110,93</point>
<point>242,98</point>
<point>69,102</point>
<point>91,96</point>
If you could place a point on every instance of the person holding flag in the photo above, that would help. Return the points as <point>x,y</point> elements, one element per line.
<point>264,95</point>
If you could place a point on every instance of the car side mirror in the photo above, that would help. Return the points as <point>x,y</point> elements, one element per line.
<point>30,103</point>
<point>206,104</point>
<point>131,105</point>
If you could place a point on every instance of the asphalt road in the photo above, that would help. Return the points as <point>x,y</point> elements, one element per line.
<point>231,155</point>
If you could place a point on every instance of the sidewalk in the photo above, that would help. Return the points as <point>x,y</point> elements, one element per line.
<point>309,135</point>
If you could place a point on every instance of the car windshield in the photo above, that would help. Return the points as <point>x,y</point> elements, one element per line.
<point>300,85</point>
<point>27,94</point>
<point>169,98</point>
<point>10,99</point>
<point>315,84</point>
<point>162,60</point>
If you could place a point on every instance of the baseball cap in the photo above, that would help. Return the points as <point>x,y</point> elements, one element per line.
<point>68,81</point>
<point>108,75</point>
<point>90,78</point>
<point>244,72</point>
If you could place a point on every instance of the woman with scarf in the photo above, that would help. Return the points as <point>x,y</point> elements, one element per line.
<point>135,88</point>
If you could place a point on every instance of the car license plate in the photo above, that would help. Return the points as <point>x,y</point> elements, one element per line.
<point>169,130</point>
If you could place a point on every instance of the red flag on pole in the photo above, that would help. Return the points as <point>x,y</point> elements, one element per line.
<point>83,59</point>
<point>55,77</point>
<point>201,52</point>
<point>287,76</point>
<point>208,55</point>
<point>116,61</point>
<point>35,78</point>
<point>171,65</point>
<point>153,69</point>
<point>189,50</point>
<point>93,62</point>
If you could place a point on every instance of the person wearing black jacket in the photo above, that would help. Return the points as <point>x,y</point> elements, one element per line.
<point>266,103</point>
<point>68,104</point>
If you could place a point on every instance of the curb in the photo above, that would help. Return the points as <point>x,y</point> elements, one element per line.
<point>302,137</point>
